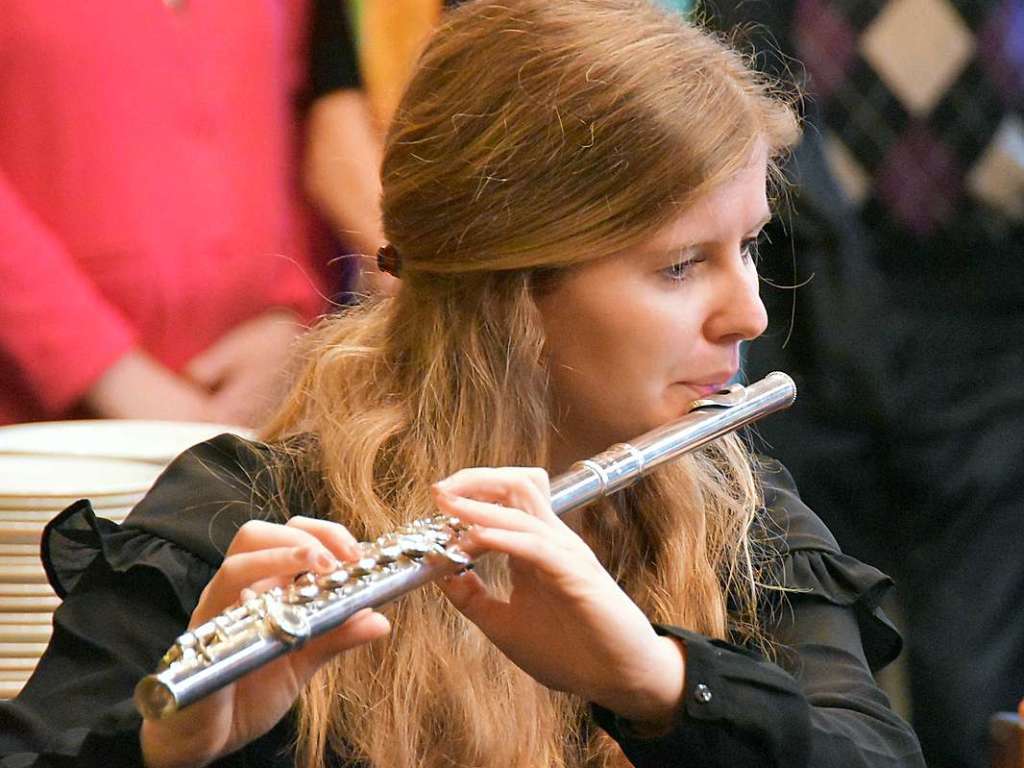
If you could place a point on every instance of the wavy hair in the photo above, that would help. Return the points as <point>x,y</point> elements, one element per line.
<point>534,135</point>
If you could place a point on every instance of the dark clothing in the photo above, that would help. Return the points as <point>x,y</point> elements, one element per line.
<point>906,339</point>
<point>333,64</point>
<point>129,591</point>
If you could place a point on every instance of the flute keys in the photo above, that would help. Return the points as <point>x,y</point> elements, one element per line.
<point>334,580</point>
<point>364,566</point>
<point>457,556</point>
<point>305,588</point>
<point>415,547</point>
<point>388,553</point>
<point>288,623</point>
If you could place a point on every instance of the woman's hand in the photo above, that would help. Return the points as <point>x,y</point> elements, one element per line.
<point>566,622</point>
<point>139,387</point>
<point>261,555</point>
<point>244,372</point>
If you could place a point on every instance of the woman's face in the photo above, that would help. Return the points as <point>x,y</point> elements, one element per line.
<point>634,338</point>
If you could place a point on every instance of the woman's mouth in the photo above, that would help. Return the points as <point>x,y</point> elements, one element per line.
<point>708,389</point>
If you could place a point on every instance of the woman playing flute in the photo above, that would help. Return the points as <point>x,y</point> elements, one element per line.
<point>573,193</point>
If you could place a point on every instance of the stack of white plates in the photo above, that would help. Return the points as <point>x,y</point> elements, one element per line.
<point>45,467</point>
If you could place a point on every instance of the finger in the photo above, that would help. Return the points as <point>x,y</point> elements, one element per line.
<point>234,404</point>
<point>536,550</point>
<point>260,534</point>
<point>209,368</point>
<point>248,568</point>
<point>334,536</point>
<point>473,600</point>
<point>524,488</point>
<point>362,627</point>
<point>487,513</point>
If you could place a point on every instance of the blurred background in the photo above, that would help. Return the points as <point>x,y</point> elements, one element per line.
<point>185,186</point>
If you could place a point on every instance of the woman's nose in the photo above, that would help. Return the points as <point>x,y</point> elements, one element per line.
<point>739,313</point>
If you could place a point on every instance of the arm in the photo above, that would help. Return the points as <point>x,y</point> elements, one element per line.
<point>713,705</point>
<point>818,705</point>
<point>343,144</point>
<point>77,710</point>
<point>59,331</point>
<point>68,342</point>
<point>739,709</point>
<point>130,590</point>
<point>342,167</point>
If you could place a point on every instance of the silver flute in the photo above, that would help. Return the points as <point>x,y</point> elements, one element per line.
<point>282,619</point>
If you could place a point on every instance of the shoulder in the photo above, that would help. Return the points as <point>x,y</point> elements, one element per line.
<point>208,492</point>
<point>183,525</point>
<point>812,569</point>
<point>787,515</point>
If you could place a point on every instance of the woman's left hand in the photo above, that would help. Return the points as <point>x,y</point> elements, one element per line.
<point>566,622</point>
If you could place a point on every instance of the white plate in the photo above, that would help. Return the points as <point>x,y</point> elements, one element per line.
<point>12,664</point>
<point>26,590</point>
<point>25,619</point>
<point>44,605</point>
<point>53,477</point>
<point>20,533</point>
<point>36,633</point>
<point>117,514</point>
<point>103,504</point>
<point>27,573</point>
<point>24,550</point>
<point>8,690</point>
<point>18,650</point>
<point>153,441</point>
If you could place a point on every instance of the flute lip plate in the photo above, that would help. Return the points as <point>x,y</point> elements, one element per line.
<point>724,398</point>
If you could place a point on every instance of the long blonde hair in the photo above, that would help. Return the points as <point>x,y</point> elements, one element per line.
<point>534,135</point>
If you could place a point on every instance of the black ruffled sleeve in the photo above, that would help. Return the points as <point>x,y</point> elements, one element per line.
<point>128,592</point>
<point>815,705</point>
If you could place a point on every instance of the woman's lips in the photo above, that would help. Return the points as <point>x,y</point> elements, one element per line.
<point>708,389</point>
<point>714,383</point>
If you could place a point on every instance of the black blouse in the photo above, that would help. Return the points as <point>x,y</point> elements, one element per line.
<point>129,590</point>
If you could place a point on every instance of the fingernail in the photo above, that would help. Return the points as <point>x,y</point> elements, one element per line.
<point>325,562</point>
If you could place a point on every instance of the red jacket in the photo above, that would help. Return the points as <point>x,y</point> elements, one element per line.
<point>147,190</point>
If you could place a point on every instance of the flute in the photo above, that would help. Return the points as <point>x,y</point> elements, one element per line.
<point>252,634</point>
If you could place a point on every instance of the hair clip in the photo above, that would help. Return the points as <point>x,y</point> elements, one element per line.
<point>389,261</point>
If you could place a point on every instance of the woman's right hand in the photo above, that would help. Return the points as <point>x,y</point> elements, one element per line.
<point>261,555</point>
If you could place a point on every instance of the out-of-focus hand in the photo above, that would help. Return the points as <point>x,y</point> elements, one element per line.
<point>138,387</point>
<point>566,622</point>
<point>261,555</point>
<point>245,371</point>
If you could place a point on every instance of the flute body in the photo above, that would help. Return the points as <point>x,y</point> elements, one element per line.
<point>249,635</point>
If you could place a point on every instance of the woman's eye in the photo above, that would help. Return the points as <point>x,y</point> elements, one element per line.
<point>750,247</point>
<point>680,270</point>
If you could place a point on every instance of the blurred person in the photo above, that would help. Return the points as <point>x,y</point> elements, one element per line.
<point>341,170</point>
<point>153,261</point>
<point>905,330</point>
<point>589,201</point>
